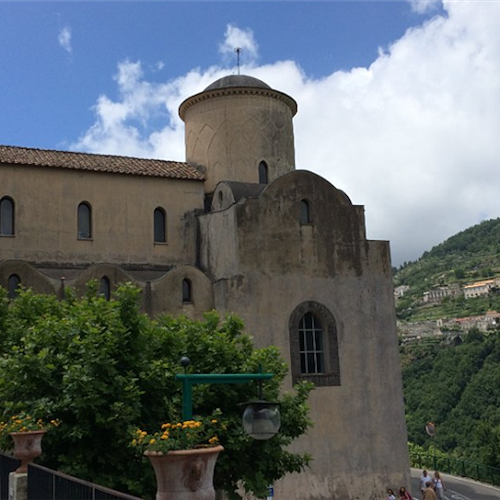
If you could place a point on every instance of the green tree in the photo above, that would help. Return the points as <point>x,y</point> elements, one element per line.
<point>102,367</point>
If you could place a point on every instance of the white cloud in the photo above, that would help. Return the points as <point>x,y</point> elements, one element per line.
<point>243,39</point>
<point>413,137</point>
<point>424,6</point>
<point>64,39</point>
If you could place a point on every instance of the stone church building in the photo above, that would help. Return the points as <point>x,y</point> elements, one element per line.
<point>234,228</point>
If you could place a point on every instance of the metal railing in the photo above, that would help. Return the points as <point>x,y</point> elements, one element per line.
<point>8,464</point>
<point>457,467</point>
<point>48,484</point>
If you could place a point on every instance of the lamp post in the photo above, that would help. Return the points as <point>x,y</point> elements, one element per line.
<point>430,429</point>
<point>261,419</point>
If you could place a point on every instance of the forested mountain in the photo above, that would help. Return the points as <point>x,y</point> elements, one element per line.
<point>455,386</point>
<point>469,256</point>
<point>458,389</point>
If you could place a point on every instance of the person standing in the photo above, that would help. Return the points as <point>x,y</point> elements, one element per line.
<point>390,495</point>
<point>403,494</point>
<point>438,485</point>
<point>424,479</point>
<point>429,493</point>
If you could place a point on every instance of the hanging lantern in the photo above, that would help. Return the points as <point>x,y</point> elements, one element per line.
<point>261,419</point>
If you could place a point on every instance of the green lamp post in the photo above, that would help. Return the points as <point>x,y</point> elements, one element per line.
<point>261,419</point>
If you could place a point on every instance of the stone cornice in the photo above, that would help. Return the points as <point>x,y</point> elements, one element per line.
<point>209,94</point>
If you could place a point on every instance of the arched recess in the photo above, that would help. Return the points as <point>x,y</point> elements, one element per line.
<point>187,296</point>
<point>7,213</point>
<point>13,285</point>
<point>30,276</point>
<point>164,301</point>
<point>160,225</point>
<point>305,212</point>
<point>314,349</point>
<point>84,221</point>
<point>113,272</point>
<point>263,173</point>
<point>105,287</point>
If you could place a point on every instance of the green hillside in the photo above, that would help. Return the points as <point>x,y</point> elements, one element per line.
<point>457,388</point>
<point>469,256</point>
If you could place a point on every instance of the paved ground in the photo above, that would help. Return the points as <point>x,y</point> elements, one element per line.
<point>458,488</point>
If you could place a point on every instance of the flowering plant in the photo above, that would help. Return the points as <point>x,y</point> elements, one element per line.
<point>22,422</point>
<point>186,435</point>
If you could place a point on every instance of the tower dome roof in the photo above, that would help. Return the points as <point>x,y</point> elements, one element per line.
<point>237,81</point>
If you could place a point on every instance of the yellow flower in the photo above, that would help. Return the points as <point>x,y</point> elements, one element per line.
<point>214,421</point>
<point>152,441</point>
<point>213,440</point>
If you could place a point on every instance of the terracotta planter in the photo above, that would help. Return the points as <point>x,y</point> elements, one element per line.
<point>185,474</point>
<point>27,446</point>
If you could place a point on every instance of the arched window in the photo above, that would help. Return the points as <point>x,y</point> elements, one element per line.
<point>12,285</point>
<point>160,225</point>
<point>84,221</point>
<point>186,291</point>
<point>105,287</point>
<point>6,217</point>
<point>263,179</point>
<point>305,216</point>
<point>313,345</point>
<point>312,354</point>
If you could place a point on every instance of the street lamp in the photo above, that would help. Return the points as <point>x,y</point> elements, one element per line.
<point>261,419</point>
<point>430,429</point>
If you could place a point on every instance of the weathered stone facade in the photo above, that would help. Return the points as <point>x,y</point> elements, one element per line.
<point>282,248</point>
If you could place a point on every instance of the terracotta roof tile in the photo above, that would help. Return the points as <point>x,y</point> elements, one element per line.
<point>99,163</point>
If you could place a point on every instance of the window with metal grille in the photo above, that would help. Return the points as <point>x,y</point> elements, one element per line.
<point>314,349</point>
<point>312,353</point>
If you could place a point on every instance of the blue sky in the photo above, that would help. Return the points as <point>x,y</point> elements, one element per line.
<point>399,101</point>
<point>48,92</point>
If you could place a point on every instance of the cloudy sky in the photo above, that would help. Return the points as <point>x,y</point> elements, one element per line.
<point>399,101</point>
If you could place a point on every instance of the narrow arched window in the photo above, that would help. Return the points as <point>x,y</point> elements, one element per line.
<point>305,215</point>
<point>105,288</point>
<point>263,179</point>
<point>160,225</point>
<point>13,285</point>
<point>84,221</point>
<point>311,345</point>
<point>6,217</point>
<point>186,291</point>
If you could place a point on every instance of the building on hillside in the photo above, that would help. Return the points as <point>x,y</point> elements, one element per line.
<point>488,321</point>
<point>436,295</point>
<point>479,289</point>
<point>400,291</point>
<point>235,228</point>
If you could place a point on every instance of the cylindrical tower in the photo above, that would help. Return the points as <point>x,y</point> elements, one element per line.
<point>239,129</point>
